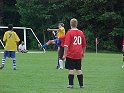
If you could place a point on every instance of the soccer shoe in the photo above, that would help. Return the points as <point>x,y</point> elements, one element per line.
<point>14,68</point>
<point>57,67</point>
<point>70,86</point>
<point>122,66</point>
<point>81,86</point>
<point>2,66</point>
<point>61,68</point>
<point>44,46</point>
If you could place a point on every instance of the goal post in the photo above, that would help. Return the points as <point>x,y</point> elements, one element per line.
<point>24,34</point>
<point>35,37</point>
<point>1,43</point>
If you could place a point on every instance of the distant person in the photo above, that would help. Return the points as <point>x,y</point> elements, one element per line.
<point>74,47</point>
<point>11,40</point>
<point>21,48</point>
<point>123,50</point>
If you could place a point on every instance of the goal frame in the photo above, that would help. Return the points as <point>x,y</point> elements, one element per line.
<point>24,35</point>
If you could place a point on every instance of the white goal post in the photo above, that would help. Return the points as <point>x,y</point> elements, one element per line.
<point>24,30</point>
<point>2,43</point>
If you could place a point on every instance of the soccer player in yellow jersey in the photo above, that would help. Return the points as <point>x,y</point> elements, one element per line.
<point>11,40</point>
<point>60,33</point>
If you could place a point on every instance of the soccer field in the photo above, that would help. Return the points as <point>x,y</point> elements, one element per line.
<point>36,73</point>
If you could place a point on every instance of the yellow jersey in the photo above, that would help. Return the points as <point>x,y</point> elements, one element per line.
<point>61,32</point>
<point>11,39</point>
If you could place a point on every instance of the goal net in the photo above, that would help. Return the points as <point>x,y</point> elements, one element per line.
<point>26,34</point>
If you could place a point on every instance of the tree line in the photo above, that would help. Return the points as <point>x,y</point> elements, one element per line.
<point>102,19</point>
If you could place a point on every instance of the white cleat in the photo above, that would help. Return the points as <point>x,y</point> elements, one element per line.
<point>61,68</point>
<point>122,66</point>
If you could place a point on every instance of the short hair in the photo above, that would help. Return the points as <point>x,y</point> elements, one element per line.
<point>61,24</point>
<point>73,22</point>
<point>10,27</point>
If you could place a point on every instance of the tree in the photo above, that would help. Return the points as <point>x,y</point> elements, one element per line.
<point>1,12</point>
<point>98,18</point>
<point>10,13</point>
<point>40,15</point>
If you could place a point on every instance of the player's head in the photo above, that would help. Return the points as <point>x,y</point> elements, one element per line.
<point>60,25</point>
<point>10,27</point>
<point>73,23</point>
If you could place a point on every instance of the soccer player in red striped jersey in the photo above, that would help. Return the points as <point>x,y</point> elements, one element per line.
<point>74,47</point>
<point>61,52</point>
<point>123,50</point>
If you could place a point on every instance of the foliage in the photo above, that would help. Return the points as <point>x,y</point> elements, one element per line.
<point>10,13</point>
<point>98,18</point>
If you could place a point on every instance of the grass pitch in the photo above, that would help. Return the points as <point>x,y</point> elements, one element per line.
<point>36,73</point>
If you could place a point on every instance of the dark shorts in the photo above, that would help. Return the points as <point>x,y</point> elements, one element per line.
<point>9,54</point>
<point>57,42</point>
<point>61,52</point>
<point>72,64</point>
<point>122,53</point>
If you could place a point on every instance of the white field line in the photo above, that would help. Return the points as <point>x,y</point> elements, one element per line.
<point>28,52</point>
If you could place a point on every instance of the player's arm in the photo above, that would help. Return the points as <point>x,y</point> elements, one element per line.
<point>17,43</point>
<point>4,38</point>
<point>123,48</point>
<point>4,42</point>
<point>66,44</point>
<point>83,44</point>
<point>123,45</point>
<point>17,39</point>
<point>65,52</point>
<point>53,29</point>
<point>83,52</point>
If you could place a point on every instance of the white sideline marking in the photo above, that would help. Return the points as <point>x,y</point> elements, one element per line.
<point>27,52</point>
<point>35,52</point>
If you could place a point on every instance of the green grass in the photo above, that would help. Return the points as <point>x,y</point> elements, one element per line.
<point>36,73</point>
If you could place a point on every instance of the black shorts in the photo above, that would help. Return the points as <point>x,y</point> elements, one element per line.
<point>72,64</point>
<point>122,53</point>
<point>61,52</point>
